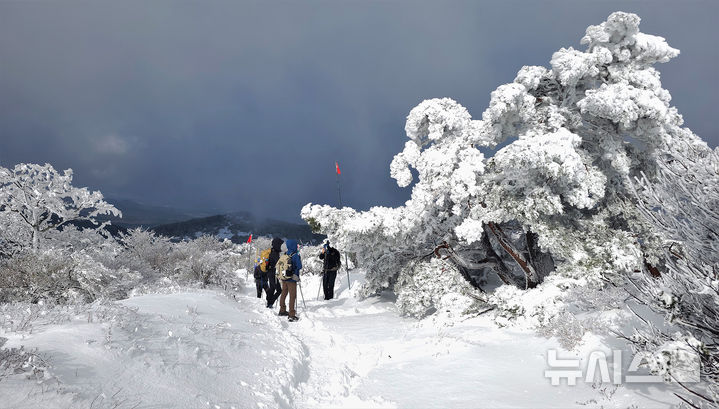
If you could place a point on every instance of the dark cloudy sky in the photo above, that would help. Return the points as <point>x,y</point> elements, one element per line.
<point>247,105</point>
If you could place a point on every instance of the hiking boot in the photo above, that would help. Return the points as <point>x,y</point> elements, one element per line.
<point>283,313</point>
<point>292,318</point>
<point>270,305</point>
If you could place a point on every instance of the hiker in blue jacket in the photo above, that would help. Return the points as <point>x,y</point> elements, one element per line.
<point>289,286</point>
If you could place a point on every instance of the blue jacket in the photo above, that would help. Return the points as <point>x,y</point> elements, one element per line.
<point>296,259</point>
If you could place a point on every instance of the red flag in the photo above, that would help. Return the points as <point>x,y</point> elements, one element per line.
<point>250,239</point>
<point>338,168</point>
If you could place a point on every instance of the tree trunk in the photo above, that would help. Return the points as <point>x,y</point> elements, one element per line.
<point>530,274</point>
<point>500,268</point>
<point>35,239</point>
<point>463,266</point>
<point>543,263</point>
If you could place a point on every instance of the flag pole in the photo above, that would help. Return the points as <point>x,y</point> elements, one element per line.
<point>339,196</point>
<point>249,258</point>
<point>339,190</point>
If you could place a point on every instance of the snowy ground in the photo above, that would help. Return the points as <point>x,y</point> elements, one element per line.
<point>203,349</point>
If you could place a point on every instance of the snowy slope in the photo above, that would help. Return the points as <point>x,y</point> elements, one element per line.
<point>197,349</point>
<point>200,348</point>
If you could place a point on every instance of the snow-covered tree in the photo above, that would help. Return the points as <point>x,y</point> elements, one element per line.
<point>43,199</point>
<point>554,197</point>
<point>681,206</point>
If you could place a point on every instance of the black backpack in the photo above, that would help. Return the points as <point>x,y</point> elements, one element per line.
<point>333,259</point>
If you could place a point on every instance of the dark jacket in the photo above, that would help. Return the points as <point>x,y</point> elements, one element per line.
<point>332,259</point>
<point>295,256</point>
<point>274,256</point>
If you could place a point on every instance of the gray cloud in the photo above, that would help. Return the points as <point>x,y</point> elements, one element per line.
<point>248,105</point>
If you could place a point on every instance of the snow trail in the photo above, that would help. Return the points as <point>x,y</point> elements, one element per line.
<point>362,354</point>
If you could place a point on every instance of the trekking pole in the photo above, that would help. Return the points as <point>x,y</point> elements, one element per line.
<point>347,269</point>
<point>319,288</point>
<point>302,295</point>
<point>249,263</point>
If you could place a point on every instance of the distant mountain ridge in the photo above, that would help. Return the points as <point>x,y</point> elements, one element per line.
<point>187,224</point>
<point>135,214</point>
<point>237,227</point>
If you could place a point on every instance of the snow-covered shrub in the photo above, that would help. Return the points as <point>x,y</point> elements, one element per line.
<point>566,328</point>
<point>231,279</point>
<point>575,134</point>
<point>60,276</point>
<point>536,307</point>
<point>14,235</point>
<point>100,281</point>
<point>150,255</point>
<point>23,316</point>
<point>15,361</point>
<point>676,359</point>
<point>204,260</point>
<point>680,280</point>
<point>48,275</point>
<point>425,287</point>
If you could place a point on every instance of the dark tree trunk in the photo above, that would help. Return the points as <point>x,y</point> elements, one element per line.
<point>500,255</point>
<point>530,274</point>
<point>543,262</point>
<point>499,267</point>
<point>461,265</point>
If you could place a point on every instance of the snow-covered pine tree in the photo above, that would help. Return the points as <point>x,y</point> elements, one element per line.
<point>554,197</point>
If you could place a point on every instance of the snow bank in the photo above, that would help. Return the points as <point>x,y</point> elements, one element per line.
<point>190,350</point>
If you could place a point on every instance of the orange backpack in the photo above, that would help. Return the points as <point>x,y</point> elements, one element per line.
<point>265,260</point>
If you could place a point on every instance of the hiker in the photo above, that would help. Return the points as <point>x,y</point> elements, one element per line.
<point>289,285</point>
<point>332,263</point>
<point>260,281</point>
<point>275,288</point>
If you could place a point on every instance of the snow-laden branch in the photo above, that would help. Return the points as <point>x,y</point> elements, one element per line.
<point>44,199</point>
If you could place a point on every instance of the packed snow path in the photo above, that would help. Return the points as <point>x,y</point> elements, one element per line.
<point>202,349</point>
<point>362,354</point>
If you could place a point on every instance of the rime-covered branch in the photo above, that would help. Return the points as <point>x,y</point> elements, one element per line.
<point>44,199</point>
